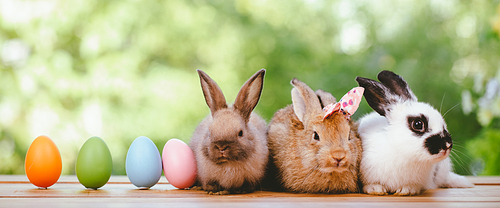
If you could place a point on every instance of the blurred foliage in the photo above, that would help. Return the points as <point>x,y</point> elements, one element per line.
<point>485,147</point>
<point>122,69</point>
<point>482,97</point>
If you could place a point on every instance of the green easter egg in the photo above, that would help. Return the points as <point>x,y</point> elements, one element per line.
<point>94,163</point>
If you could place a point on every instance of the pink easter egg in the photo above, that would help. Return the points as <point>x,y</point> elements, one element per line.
<point>179,164</point>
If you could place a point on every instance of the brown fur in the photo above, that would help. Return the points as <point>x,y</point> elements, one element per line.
<point>307,165</point>
<point>228,162</point>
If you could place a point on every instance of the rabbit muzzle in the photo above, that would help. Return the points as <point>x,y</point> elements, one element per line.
<point>223,151</point>
<point>443,153</point>
<point>337,161</point>
<point>439,145</point>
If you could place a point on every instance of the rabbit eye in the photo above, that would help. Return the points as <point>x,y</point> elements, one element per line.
<point>418,124</point>
<point>240,134</point>
<point>316,136</point>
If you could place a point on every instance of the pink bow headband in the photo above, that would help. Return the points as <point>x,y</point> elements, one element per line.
<point>348,104</point>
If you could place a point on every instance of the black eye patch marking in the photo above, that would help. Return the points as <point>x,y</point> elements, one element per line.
<point>418,124</point>
<point>435,143</point>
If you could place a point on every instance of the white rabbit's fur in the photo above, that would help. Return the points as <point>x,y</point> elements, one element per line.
<point>395,159</point>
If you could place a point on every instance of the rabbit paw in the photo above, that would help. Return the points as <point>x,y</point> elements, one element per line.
<point>407,191</point>
<point>224,192</point>
<point>244,189</point>
<point>375,189</point>
<point>213,188</point>
<point>196,188</point>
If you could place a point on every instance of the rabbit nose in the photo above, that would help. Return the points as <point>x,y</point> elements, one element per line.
<point>337,158</point>
<point>222,150</point>
<point>222,153</point>
<point>448,145</point>
<point>337,161</point>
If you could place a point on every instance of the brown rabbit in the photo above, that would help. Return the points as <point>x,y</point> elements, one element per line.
<point>313,154</point>
<point>230,144</point>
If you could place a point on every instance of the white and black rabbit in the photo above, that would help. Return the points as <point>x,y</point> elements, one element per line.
<point>230,144</point>
<point>405,142</point>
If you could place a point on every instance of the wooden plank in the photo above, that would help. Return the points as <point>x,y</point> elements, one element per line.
<point>233,203</point>
<point>484,180</point>
<point>68,192</point>
<point>25,190</point>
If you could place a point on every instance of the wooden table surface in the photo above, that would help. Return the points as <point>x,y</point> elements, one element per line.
<point>17,191</point>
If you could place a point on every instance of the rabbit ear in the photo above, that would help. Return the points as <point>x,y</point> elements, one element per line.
<point>249,94</point>
<point>396,84</point>
<point>305,101</point>
<point>213,94</point>
<point>377,95</point>
<point>325,98</point>
<point>380,96</point>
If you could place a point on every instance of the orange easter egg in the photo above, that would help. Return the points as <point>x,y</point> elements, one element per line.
<point>43,162</point>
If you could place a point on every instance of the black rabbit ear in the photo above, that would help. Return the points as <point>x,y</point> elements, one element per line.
<point>391,89</point>
<point>396,84</point>
<point>213,94</point>
<point>376,94</point>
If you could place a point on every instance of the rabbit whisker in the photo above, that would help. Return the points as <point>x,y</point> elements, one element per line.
<point>442,101</point>
<point>461,152</point>
<point>450,109</point>
<point>461,161</point>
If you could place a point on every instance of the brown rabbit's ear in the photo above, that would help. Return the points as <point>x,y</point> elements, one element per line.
<point>213,94</point>
<point>305,101</point>
<point>249,94</point>
<point>325,98</point>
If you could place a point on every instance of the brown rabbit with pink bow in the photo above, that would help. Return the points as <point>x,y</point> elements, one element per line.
<point>316,150</point>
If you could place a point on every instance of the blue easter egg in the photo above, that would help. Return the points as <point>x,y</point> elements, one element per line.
<point>143,164</point>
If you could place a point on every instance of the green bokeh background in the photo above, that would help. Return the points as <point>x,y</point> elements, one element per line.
<point>121,69</point>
